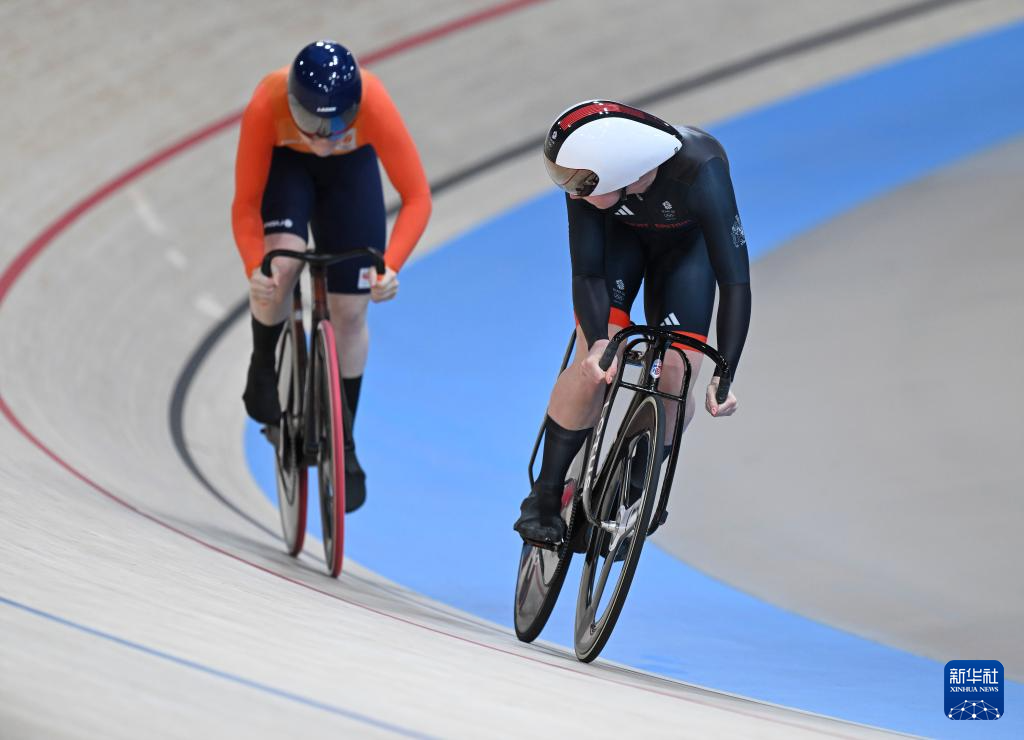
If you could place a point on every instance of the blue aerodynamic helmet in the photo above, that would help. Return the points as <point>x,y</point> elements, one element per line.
<point>324,89</point>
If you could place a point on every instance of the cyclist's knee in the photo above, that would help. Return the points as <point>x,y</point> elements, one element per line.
<point>284,240</point>
<point>287,269</point>
<point>348,311</point>
<point>288,274</point>
<point>673,370</point>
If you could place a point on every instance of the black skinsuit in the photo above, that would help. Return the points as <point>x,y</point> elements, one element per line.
<point>682,235</point>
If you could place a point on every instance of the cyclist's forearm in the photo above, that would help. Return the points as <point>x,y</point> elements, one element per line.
<point>733,321</point>
<point>409,227</point>
<point>248,231</point>
<point>591,304</point>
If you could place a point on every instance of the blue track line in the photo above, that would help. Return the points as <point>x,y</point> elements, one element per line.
<point>232,677</point>
<point>463,362</point>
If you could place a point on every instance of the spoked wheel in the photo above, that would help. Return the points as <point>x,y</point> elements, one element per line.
<point>330,448</point>
<point>542,571</point>
<point>624,499</point>
<point>291,471</point>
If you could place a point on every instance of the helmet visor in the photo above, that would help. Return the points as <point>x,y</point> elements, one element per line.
<point>313,125</point>
<point>573,181</point>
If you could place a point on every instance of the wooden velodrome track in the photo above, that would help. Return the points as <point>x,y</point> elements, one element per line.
<point>134,603</point>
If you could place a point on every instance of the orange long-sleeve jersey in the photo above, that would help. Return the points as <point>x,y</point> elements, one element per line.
<point>267,123</point>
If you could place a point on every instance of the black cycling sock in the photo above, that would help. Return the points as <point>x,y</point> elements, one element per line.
<point>560,447</point>
<point>264,342</point>
<point>351,387</point>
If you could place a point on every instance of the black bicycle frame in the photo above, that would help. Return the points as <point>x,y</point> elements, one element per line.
<point>659,342</point>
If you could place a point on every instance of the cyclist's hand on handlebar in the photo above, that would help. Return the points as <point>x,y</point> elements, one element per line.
<point>711,403</point>
<point>591,368</point>
<point>261,287</point>
<point>385,287</point>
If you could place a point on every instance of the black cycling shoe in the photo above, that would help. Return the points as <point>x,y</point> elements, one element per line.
<point>355,481</point>
<point>260,395</point>
<point>541,518</point>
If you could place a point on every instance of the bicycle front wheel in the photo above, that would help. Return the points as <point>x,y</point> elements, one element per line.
<point>290,468</point>
<point>624,502</point>
<point>330,447</point>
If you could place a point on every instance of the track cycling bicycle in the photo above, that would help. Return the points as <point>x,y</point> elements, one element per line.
<point>314,420</point>
<point>610,509</point>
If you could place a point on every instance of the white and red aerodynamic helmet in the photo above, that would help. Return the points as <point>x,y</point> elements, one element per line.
<point>599,146</point>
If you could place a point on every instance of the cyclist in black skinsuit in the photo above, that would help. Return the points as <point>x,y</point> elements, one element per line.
<point>646,202</point>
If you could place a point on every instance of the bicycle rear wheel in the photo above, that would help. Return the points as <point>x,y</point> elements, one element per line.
<point>627,501</point>
<point>542,571</point>
<point>290,468</point>
<point>330,447</point>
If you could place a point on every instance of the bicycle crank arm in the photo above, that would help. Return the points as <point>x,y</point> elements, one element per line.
<point>618,531</point>
<point>543,545</point>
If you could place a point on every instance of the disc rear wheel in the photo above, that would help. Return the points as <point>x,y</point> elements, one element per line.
<point>542,571</point>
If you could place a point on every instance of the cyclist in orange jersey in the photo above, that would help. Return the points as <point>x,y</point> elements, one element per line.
<point>307,159</point>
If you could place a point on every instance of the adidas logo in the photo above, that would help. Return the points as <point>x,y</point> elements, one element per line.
<point>624,211</point>
<point>670,320</point>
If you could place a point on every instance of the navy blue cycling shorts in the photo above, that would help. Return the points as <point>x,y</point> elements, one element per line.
<point>676,271</point>
<point>340,198</point>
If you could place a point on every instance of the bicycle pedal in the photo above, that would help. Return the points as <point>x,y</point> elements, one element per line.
<point>552,546</point>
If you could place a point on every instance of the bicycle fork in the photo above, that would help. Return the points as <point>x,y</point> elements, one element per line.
<point>651,364</point>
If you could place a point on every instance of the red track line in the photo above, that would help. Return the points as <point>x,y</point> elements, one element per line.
<point>383,614</point>
<point>65,220</point>
<point>447,28</point>
<point>20,263</point>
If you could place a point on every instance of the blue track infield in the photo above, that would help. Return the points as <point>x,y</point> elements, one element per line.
<point>462,365</point>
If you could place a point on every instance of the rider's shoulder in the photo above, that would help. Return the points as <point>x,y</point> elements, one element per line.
<point>376,108</point>
<point>373,89</point>
<point>273,85</point>
<point>698,148</point>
